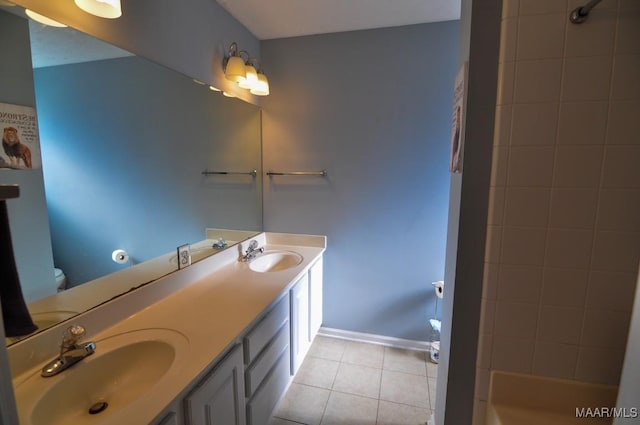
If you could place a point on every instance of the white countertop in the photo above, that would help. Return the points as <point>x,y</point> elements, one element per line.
<point>211,303</point>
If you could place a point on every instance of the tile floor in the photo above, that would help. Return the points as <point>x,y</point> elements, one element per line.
<point>353,383</point>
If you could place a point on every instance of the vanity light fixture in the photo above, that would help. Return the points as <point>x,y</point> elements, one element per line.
<point>212,88</point>
<point>261,87</point>
<point>109,9</point>
<point>233,64</point>
<point>226,94</point>
<point>246,72</point>
<point>250,76</point>
<point>43,19</point>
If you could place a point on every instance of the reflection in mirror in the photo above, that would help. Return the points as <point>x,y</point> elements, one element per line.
<point>124,143</point>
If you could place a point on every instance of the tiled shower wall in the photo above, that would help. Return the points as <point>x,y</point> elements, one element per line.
<point>563,237</point>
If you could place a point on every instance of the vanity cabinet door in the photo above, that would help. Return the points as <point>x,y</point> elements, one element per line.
<point>219,398</point>
<point>169,419</point>
<point>315,299</point>
<point>300,338</point>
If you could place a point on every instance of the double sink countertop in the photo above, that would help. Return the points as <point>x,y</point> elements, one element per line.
<point>209,304</point>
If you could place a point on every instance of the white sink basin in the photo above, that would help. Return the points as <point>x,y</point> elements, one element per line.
<point>124,368</point>
<point>275,261</point>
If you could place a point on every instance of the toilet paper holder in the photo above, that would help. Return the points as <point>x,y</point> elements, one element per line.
<point>439,288</point>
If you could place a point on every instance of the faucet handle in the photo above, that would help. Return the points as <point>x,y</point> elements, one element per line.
<point>72,335</point>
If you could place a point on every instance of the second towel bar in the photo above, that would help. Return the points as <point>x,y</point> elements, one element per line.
<point>321,173</point>
<point>250,173</point>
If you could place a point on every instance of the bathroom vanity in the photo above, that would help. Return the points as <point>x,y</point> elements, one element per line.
<point>215,343</point>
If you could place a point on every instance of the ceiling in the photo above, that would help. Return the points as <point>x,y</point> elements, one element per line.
<point>292,18</point>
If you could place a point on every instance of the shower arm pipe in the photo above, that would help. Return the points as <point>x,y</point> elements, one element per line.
<point>580,14</point>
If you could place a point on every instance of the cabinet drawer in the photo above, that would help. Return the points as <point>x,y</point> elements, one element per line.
<point>265,361</point>
<point>261,406</point>
<point>260,335</point>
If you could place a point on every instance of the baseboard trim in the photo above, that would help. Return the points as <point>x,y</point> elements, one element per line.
<point>387,341</point>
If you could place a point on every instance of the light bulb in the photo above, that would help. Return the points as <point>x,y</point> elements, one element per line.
<point>251,77</point>
<point>43,19</point>
<point>109,9</point>
<point>261,87</point>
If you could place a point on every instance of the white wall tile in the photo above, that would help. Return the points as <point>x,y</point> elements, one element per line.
<point>523,246</point>
<point>605,4</point>
<point>628,32</point>
<point>624,125</point>
<point>621,167</point>
<point>508,39</point>
<point>602,366</point>
<point>611,291</point>
<point>564,287</point>
<point>516,320</point>
<point>567,145</point>
<point>493,244</point>
<point>578,166</point>
<point>573,208</point>
<point>527,206</point>
<point>519,283</point>
<point>535,7</point>
<point>499,166</point>
<point>555,360</point>
<point>485,342</point>
<point>530,166</point>
<point>496,205</point>
<point>568,248</point>
<point>586,78</point>
<point>512,354</point>
<point>510,8</point>
<point>506,78</point>
<point>582,123</point>
<point>616,251</point>
<point>626,84</point>
<point>537,81</point>
<point>490,281</point>
<point>560,324</point>
<point>596,38</point>
<point>605,329</point>
<point>487,317</point>
<point>535,124</point>
<point>536,44</point>
<point>629,5</point>
<point>619,209</point>
<point>503,125</point>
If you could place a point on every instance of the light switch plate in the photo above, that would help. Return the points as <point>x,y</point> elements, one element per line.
<point>184,256</point>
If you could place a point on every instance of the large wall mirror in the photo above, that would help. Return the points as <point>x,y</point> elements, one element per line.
<point>124,143</point>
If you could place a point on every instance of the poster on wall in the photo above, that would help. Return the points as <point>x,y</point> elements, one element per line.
<point>20,141</point>
<point>457,122</point>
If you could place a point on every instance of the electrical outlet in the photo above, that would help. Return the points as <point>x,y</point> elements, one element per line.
<point>184,256</point>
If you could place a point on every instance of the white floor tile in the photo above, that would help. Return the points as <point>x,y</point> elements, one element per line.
<point>327,348</point>
<point>359,380</point>
<point>432,369</point>
<point>350,409</point>
<point>407,361</point>
<point>405,388</point>
<point>363,354</point>
<point>317,372</point>
<point>304,404</point>
<point>401,414</point>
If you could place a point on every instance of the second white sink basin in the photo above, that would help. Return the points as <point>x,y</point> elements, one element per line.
<point>123,369</point>
<point>275,261</point>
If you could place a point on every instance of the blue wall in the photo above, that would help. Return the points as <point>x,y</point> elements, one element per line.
<point>124,143</point>
<point>373,108</point>
<point>27,214</point>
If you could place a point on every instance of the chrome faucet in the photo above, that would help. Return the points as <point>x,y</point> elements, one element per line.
<point>71,352</point>
<point>251,252</point>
